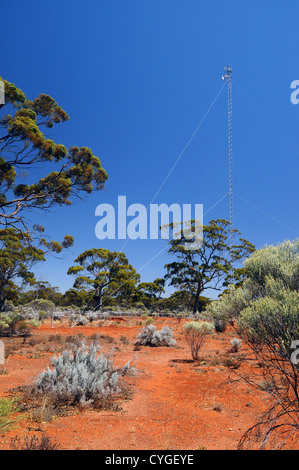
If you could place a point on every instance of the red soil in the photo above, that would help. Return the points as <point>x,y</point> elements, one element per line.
<point>173,400</point>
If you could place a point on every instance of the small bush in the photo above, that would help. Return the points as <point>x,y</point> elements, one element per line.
<point>33,341</point>
<point>81,376</point>
<point>233,362</point>
<point>74,339</point>
<point>33,443</point>
<point>149,336</point>
<point>56,338</point>
<point>123,340</point>
<point>13,324</point>
<point>77,320</point>
<point>236,344</point>
<point>91,316</point>
<point>195,333</point>
<point>45,413</point>
<point>220,325</point>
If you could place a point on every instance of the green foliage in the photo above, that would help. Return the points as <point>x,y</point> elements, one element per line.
<point>18,255</point>
<point>40,290</point>
<point>211,265</point>
<point>266,307</point>
<point>149,293</point>
<point>229,305</point>
<point>140,305</point>
<point>18,321</point>
<point>274,317</point>
<point>105,272</point>
<point>8,409</point>
<point>195,334</point>
<point>79,298</point>
<point>42,304</point>
<point>280,263</point>
<point>25,145</point>
<point>12,323</point>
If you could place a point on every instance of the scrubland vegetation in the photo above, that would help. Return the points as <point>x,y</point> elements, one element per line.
<point>246,339</point>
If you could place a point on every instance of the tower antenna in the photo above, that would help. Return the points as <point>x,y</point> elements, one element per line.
<point>228,78</point>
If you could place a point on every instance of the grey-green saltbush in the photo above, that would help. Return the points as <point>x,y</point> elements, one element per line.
<point>77,320</point>
<point>91,316</point>
<point>80,375</point>
<point>150,336</point>
<point>236,344</point>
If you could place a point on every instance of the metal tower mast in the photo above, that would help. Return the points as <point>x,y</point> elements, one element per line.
<point>228,78</point>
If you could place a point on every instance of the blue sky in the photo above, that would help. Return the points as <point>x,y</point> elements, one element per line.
<point>136,78</point>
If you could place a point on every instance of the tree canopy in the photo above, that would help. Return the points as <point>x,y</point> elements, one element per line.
<point>106,272</point>
<point>18,255</point>
<point>210,266</point>
<point>25,148</point>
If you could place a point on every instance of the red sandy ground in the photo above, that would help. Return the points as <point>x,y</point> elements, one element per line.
<point>172,405</point>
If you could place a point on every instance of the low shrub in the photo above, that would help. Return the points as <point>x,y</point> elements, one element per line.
<point>77,320</point>
<point>13,324</point>
<point>195,333</point>
<point>233,362</point>
<point>236,344</point>
<point>81,376</point>
<point>123,340</point>
<point>150,336</point>
<point>33,443</point>
<point>220,325</point>
<point>91,316</point>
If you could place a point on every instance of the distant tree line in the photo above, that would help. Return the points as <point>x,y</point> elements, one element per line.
<point>106,279</point>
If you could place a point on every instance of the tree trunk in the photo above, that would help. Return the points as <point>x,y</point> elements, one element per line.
<point>2,302</point>
<point>198,292</point>
<point>98,298</point>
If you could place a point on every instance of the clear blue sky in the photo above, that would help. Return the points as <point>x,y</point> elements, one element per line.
<point>136,78</point>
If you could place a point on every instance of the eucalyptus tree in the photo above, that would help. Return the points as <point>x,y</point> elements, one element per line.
<point>36,173</point>
<point>210,266</point>
<point>105,273</point>
<point>19,253</point>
